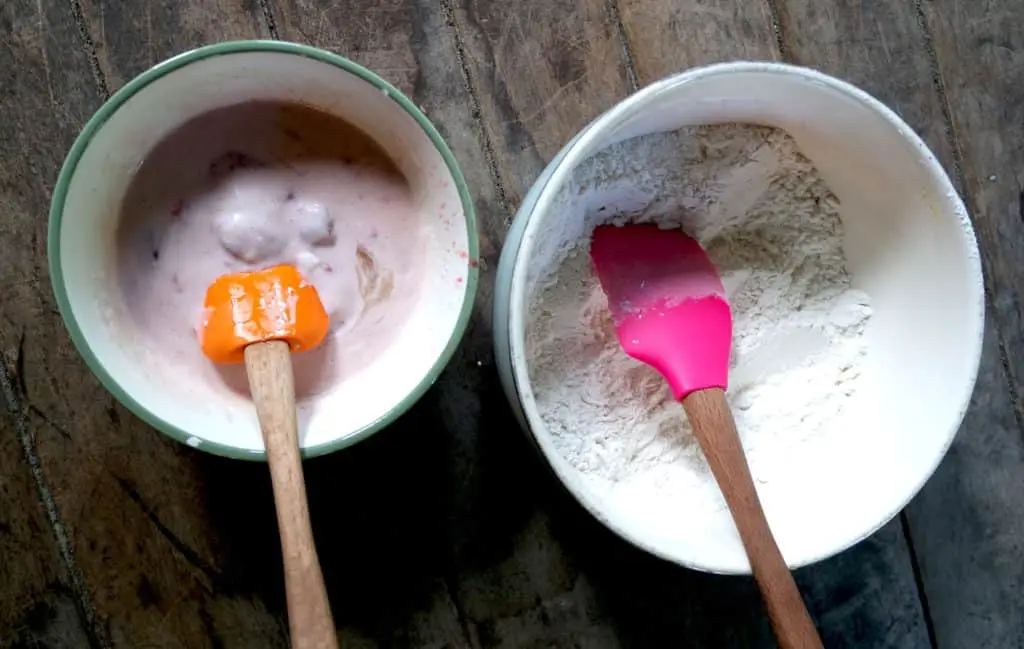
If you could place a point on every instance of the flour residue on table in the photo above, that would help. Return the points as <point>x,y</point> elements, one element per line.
<point>772,227</point>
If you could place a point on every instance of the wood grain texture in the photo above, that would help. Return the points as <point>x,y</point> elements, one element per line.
<point>878,46</point>
<point>864,597</point>
<point>446,530</point>
<point>540,70</point>
<point>967,527</point>
<point>41,107</point>
<point>666,37</point>
<point>132,502</point>
<point>36,599</point>
<point>979,58</point>
<point>967,523</point>
<point>129,37</point>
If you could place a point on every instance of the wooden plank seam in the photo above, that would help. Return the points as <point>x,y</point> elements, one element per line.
<point>83,601</point>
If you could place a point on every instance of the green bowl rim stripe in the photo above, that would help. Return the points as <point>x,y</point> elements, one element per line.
<point>125,93</point>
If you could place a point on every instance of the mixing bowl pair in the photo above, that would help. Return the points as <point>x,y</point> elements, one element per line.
<point>909,243</point>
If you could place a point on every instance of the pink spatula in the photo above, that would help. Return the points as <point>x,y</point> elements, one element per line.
<point>670,311</point>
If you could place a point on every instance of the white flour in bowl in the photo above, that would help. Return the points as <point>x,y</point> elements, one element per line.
<point>772,227</point>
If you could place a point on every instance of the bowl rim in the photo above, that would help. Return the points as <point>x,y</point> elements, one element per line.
<point>154,74</point>
<point>604,124</point>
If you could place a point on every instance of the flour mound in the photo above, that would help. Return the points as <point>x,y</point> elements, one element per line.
<point>772,227</point>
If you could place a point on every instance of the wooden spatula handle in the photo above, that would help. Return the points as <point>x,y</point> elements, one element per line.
<point>715,430</point>
<point>271,382</point>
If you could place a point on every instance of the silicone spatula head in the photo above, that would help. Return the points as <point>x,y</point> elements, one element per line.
<point>667,302</point>
<point>252,307</point>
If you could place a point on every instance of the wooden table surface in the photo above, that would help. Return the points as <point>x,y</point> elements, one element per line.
<point>446,530</point>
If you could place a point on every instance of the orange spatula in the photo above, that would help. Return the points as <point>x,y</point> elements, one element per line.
<point>259,318</point>
<point>670,311</point>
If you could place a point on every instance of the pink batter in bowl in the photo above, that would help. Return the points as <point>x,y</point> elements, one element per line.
<point>242,155</point>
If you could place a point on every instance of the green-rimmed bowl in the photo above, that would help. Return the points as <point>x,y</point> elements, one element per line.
<point>84,219</point>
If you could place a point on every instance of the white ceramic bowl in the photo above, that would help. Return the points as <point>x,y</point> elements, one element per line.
<point>909,244</point>
<point>101,164</point>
